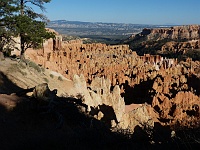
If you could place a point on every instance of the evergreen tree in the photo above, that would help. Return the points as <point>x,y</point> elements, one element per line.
<point>31,31</point>
<point>17,18</point>
<point>8,9</point>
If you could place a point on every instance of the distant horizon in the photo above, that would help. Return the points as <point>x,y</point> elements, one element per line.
<point>167,24</point>
<point>153,12</point>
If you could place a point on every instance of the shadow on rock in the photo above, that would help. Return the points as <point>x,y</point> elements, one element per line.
<point>138,94</point>
<point>7,86</point>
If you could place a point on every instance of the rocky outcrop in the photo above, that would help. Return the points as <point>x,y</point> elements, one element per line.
<point>108,106</point>
<point>176,98</point>
<point>114,81</point>
<point>169,85</point>
<point>117,62</point>
<point>174,41</point>
<point>178,32</point>
<point>98,94</point>
<point>9,101</point>
<point>180,46</point>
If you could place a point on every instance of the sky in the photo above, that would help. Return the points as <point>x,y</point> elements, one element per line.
<point>162,12</point>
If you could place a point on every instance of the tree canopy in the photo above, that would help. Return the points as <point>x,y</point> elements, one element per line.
<point>17,18</point>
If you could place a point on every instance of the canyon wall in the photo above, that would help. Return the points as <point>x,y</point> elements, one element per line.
<point>115,62</point>
<point>115,76</point>
<point>179,41</point>
<point>178,32</point>
<point>181,46</point>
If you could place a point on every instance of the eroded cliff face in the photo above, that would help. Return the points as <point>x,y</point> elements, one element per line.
<point>117,63</point>
<point>176,97</point>
<point>178,32</point>
<point>173,100</point>
<point>118,85</point>
<point>106,104</point>
<point>180,46</point>
<point>166,41</point>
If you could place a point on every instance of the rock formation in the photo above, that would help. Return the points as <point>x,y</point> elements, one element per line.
<point>181,46</point>
<point>178,32</point>
<point>118,85</point>
<point>108,105</point>
<point>176,99</point>
<point>173,42</point>
<point>117,63</point>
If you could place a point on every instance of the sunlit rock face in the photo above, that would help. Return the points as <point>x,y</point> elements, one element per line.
<point>107,105</point>
<point>117,85</point>
<point>117,62</point>
<point>174,40</point>
<point>177,32</point>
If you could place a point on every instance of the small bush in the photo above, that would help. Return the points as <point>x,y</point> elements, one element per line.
<point>79,96</point>
<point>17,68</point>
<point>60,78</point>
<point>42,69</point>
<point>22,65</point>
<point>13,68</point>
<point>51,75</point>
<point>34,66</point>
<point>23,73</point>
<point>46,80</point>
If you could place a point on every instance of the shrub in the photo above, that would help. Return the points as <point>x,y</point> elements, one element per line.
<point>22,65</point>
<point>51,75</point>
<point>46,80</point>
<point>34,66</point>
<point>60,78</point>
<point>42,69</point>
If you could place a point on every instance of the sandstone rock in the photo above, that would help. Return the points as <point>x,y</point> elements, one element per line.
<point>109,106</point>
<point>43,93</point>
<point>178,39</point>
<point>187,32</point>
<point>105,72</point>
<point>107,97</point>
<point>9,101</point>
<point>181,46</point>
<point>117,62</point>
<point>81,88</point>
<point>139,116</point>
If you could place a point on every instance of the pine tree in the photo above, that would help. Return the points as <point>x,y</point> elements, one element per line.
<point>7,12</point>
<point>32,32</point>
<point>17,18</point>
